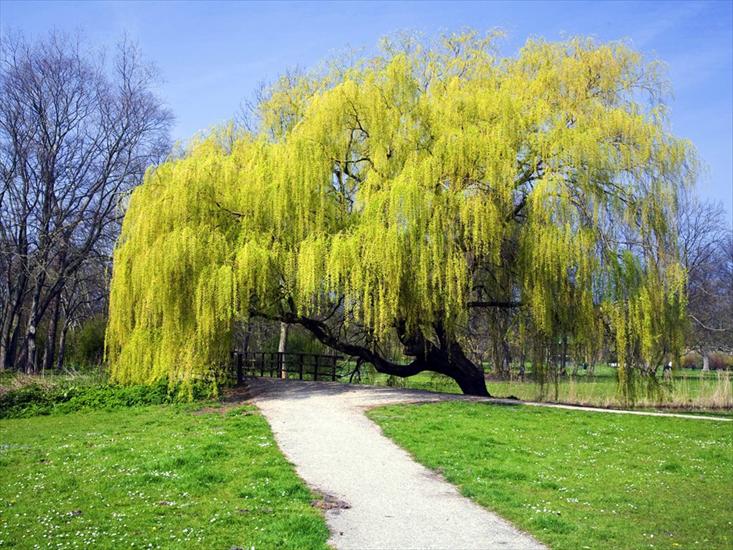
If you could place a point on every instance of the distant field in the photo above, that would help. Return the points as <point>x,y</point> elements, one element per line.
<point>688,389</point>
<point>580,480</point>
<point>158,477</point>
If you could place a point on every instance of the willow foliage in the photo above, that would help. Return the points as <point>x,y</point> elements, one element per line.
<point>409,188</point>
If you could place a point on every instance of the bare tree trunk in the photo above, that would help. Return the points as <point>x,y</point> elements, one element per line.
<point>282,346</point>
<point>50,347</point>
<point>506,357</point>
<point>32,328</point>
<point>12,352</point>
<point>245,339</point>
<point>705,361</point>
<point>8,339</point>
<point>62,346</point>
<point>469,377</point>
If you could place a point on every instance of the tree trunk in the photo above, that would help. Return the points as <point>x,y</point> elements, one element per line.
<point>31,348</point>
<point>16,293</point>
<point>446,357</point>
<point>449,359</point>
<point>30,338</point>
<point>281,347</point>
<point>506,361</point>
<point>9,336</point>
<point>62,347</point>
<point>468,376</point>
<point>50,348</point>
<point>246,337</point>
<point>7,341</point>
<point>705,362</point>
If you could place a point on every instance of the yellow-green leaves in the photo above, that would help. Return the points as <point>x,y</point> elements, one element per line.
<point>405,186</point>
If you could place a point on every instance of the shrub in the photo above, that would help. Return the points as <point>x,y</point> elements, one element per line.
<point>721,361</point>
<point>35,399</point>
<point>692,360</point>
<point>716,361</point>
<point>86,343</point>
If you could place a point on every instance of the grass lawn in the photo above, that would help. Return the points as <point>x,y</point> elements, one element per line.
<point>580,479</point>
<point>160,476</point>
<point>691,390</point>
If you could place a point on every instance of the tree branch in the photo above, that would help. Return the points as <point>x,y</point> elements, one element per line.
<point>494,303</point>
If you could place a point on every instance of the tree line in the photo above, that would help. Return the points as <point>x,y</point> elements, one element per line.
<point>78,129</point>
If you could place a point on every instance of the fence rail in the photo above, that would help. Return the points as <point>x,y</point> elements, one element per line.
<point>303,366</point>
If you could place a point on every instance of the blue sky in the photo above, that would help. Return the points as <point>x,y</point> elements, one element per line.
<point>213,54</point>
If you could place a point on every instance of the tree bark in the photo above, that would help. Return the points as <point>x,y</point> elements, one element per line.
<point>454,364</point>
<point>31,332</point>
<point>282,346</point>
<point>8,343</point>
<point>62,347</point>
<point>8,338</point>
<point>50,347</point>
<point>449,359</point>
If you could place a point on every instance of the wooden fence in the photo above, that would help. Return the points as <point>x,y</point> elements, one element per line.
<point>303,366</point>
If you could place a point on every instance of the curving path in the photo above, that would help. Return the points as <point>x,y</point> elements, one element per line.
<point>377,495</point>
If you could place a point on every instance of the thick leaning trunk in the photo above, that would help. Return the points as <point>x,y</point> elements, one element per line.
<point>446,358</point>
<point>469,377</point>
<point>452,362</point>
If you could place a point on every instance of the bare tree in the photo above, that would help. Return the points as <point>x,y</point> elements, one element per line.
<point>706,247</point>
<point>76,134</point>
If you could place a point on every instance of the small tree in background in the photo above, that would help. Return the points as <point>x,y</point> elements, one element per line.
<point>706,249</point>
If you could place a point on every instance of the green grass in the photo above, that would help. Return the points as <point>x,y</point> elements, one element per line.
<point>581,479</point>
<point>161,476</point>
<point>688,390</point>
<point>23,396</point>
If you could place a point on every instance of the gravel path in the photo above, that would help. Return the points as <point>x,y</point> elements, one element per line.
<point>380,497</point>
<point>376,495</point>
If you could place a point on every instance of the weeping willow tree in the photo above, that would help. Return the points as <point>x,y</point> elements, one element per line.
<point>384,204</point>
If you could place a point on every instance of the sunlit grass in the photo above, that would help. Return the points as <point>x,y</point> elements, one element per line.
<point>160,476</point>
<point>691,390</point>
<point>581,479</point>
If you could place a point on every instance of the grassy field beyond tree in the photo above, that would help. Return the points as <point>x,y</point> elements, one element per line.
<point>164,476</point>
<point>581,480</point>
<point>686,389</point>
